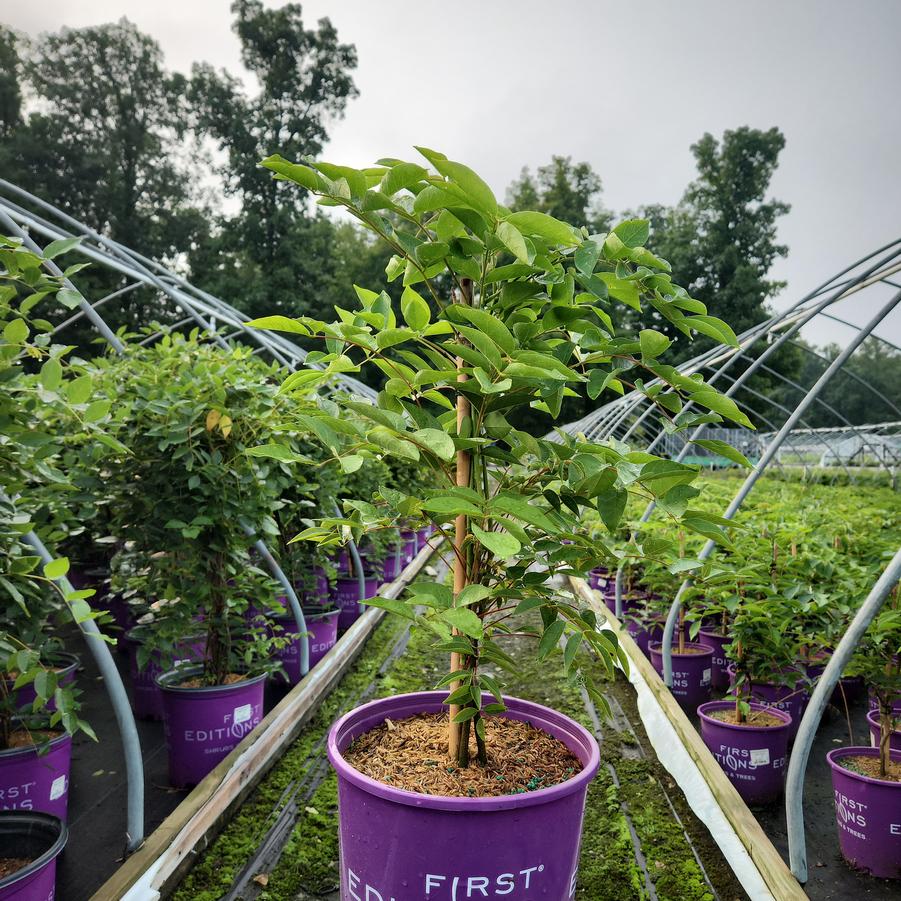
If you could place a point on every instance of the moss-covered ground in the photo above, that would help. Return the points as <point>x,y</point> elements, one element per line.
<point>630,788</point>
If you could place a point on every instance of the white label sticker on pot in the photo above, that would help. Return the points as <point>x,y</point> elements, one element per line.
<point>705,676</point>
<point>57,788</point>
<point>760,757</point>
<point>242,714</point>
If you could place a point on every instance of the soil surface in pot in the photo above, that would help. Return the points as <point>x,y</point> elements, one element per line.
<point>869,766</point>
<point>754,718</point>
<point>411,754</point>
<point>10,865</point>
<point>198,682</point>
<point>688,649</point>
<point>24,738</point>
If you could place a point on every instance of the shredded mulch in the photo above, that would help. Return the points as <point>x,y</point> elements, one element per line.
<point>688,649</point>
<point>10,865</point>
<point>754,718</point>
<point>411,754</point>
<point>197,682</point>
<point>869,766</point>
<point>24,738</point>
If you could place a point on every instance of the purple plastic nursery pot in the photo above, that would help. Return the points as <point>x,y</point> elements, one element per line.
<point>346,596</point>
<point>422,537</point>
<point>322,631</point>
<point>691,672</point>
<point>403,846</point>
<point>146,699</point>
<point>392,567</point>
<point>35,781</point>
<point>23,697</point>
<point>719,676</point>
<point>410,544</point>
<point>38,837</point>
<point>868,815</point>
<point>753,757</point>
<point>894,741</point>
<point>792,699</point>
<point>204,724</point>
<point>873,704</point>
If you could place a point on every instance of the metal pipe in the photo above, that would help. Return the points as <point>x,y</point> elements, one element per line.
<point>293,601</point>
<point>797,764</point>
<point>764,461</point>
<point>131,744</point>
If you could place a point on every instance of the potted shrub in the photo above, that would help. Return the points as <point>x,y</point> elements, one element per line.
<point>866,781</point>
<point>500,312</point>
<point>35,742</point>
<point>183,493</point>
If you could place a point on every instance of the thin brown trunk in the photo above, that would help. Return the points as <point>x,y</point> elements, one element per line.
<point>885,735</point>
<point>682,607</point>
<point>458,733</point>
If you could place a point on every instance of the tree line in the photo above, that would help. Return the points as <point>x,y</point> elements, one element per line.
<point>92,120</point>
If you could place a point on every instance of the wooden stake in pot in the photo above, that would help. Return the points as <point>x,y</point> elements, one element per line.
<point>456,730</point>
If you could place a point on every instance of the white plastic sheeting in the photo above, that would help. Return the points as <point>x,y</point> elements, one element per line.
<point>678,763</point>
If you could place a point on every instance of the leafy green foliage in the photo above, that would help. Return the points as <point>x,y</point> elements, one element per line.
<point>488,338</point>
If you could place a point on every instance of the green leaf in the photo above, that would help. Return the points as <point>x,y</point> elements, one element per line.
<point>57,568</point>
<point>530,222</point>
<point>97,410</point>
<point>472,185</point>
<point>633,232</point>
<point>303,175</point>
<point>414,309</point>
<point>279,324</point>
<point>573,643</point>
<point>514,242</point>
<point>472,594</point>
<point>52,374</point>
<point>392,605</point>
<point>450,505</point>
<point>611,503</point>
<point>714,328</point>
<point>465,715</point>
<point>586,257</point>
<point>489,325</point>
<point>550,638</point>
<point>501,544</point>
<point>724,450</point>
<point>464,620</point>
<point>79,390</point>
<point>69,298</point>
<point>653,343</point>
<point>710,398</point>
<point>350,463</point>
<point>401,176</point>
<point>439,443</point>
<point>16,331</point>
<point>277,452</point>
<point>390,441</point>
<point>59,247</point>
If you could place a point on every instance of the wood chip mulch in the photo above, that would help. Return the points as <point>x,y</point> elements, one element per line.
<point>10,865</point>
<point>23,738</point>
<point>411,754</point>
<point>754,718</point>
<point>869,766</point>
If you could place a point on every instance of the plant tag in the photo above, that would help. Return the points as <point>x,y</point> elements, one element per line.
<point>242,714</point>
<point>760,757</point>
<point>57,788</point>
<point>705,677</point>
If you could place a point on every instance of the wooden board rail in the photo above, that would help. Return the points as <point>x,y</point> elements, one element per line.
<point>772,868</point>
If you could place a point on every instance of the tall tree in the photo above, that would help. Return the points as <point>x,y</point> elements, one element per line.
<point>563,189</point>
<point>721,238</point>
<point>305,81</point>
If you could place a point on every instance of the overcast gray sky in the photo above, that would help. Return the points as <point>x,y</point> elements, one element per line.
<point>628,87</point>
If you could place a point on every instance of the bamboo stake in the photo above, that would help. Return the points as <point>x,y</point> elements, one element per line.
<point>455,730</point>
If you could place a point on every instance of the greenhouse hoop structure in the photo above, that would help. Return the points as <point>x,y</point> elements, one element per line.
<point>789,442</point>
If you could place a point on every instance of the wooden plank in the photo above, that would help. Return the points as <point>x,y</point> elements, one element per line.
<point>775,872</point>
<point>159,864</point>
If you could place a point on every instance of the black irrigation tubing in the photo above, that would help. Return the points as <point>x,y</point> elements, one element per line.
<point>284,812</point>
